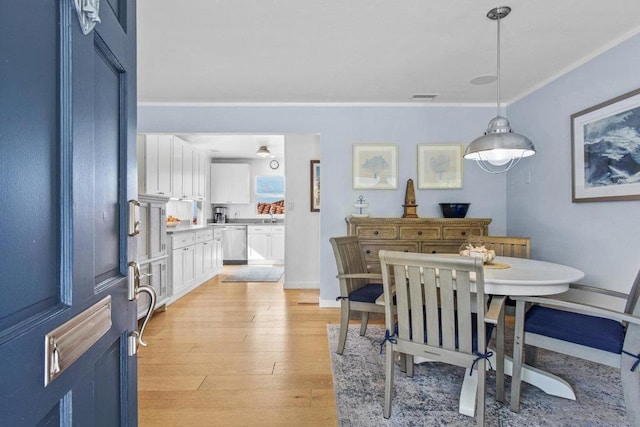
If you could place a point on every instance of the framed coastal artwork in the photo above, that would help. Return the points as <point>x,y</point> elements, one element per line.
<point>375,166</point>
<point>440,166</point>
<point>605,150</point>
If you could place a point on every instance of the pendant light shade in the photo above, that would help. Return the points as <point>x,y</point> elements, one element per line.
<point>499,149</point>
<point>263,151</point>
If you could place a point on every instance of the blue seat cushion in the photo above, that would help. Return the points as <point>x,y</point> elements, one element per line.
<point>368,293</point>
<point>590,331</point>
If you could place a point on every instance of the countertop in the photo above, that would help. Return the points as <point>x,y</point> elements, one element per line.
<point>250,221</point>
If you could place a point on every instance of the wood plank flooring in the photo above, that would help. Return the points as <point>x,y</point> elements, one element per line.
<point>238,354</point>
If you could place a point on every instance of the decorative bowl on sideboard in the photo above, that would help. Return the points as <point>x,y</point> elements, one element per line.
<point>454,210</point>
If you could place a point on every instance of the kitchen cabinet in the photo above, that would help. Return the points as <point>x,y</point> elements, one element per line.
<point>153,274</point>
<point>425,235</point>
<point>230,183</point>
<point>182,173</point>
<point>200,169</point>
<point>217,251</point>
<point>155,165</point>
<point>183,268</point>
<point>196,257</point>
<point>265,244</point>
<point>151,252</point>
<point>204,254</point>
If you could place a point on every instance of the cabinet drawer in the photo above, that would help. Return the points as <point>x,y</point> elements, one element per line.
<point>371,250</point>
<point>204,235</point>
<point>460,233</point>
<point>420,233</point>
<point>435,248</point>
<point>183,239</point>
<point>382,232</point>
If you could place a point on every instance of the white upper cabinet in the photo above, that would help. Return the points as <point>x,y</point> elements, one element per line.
<point>230,183</point>
<point>200,165</point>
<point>155,165</point>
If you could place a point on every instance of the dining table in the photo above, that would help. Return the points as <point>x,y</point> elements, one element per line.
<point>509,276</point>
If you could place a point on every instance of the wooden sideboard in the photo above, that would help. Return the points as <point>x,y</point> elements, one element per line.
<point>425,235</point>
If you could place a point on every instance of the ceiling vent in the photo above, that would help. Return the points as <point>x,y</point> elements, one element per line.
<point>424,97</point>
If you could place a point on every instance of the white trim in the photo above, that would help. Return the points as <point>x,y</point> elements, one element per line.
<point>329,303</point>
<point>301,285</point>
<point>314,104</point>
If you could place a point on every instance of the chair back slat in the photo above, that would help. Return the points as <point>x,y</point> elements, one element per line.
<point>404,310</point>
<point>463,305</point>
<point>432,306</point>
<point>448,308</point>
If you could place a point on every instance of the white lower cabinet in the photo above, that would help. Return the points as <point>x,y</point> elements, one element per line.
<point>195,258</point>
<point>153,274</point>
<point>265,244</point>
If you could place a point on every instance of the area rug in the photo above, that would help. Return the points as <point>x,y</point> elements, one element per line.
<point>430,398</point>
<point>256,274</point>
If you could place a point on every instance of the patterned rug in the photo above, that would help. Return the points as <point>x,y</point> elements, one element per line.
<point>430,398</point>
<point>256,274</point>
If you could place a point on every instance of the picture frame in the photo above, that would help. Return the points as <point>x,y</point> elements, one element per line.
<point>375,166</point>
<point>314,185</point>
<point>440,166</point>
<point>605,150</point>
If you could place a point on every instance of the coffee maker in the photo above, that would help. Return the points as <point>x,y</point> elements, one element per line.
<point>220,214</point>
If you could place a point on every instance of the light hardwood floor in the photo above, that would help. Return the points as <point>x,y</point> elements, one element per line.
<point>232,354</point>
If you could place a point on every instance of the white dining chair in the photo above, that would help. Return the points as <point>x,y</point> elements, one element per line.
<point>430,312</point>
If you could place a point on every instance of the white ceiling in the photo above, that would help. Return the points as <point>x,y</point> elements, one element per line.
<point>234,146</point>
<point>361,51</point>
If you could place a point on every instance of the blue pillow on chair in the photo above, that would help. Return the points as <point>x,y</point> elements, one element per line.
<point>590,331</point>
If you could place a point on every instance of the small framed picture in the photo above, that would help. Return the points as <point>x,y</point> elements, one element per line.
<point>375,166</point>
<point>314,186</point>
<point>605,150</point>
<point>440,166</point>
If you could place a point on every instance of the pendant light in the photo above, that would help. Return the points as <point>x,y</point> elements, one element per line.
<point>263,151</point>
<point>499,149</point>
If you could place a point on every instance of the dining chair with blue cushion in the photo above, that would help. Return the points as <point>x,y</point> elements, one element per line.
<point>359,289</point>
<point>436,314</point>
<point>601,335</point>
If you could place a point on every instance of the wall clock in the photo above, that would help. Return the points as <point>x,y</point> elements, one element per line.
<point>274,164</point>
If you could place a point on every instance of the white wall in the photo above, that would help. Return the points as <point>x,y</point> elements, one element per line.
<point>339,128</point>
<point>302,244</point>
<point>599,238</point>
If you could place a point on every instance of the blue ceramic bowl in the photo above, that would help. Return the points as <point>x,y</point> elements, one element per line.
<point>454,210</point>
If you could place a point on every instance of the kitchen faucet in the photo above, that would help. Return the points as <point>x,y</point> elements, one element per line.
<point>271,214</point>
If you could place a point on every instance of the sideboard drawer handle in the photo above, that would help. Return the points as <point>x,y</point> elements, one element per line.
<point>368,251</point>
<point>375,232</point>
<point>406,250</point>
<point>464,233</point>
<point>419,233</point>
<point>433,252</point>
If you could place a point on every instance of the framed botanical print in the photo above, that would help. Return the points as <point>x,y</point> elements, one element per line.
<point>440,166</point>
<point>375,166</point>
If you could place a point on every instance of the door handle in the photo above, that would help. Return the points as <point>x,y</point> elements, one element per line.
<point>135,289</point>
<point>134,218</point>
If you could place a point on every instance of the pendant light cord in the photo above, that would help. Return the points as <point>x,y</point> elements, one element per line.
<point>498,70</point>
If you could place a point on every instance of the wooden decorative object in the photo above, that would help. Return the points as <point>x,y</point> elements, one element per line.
<point>410,201</point>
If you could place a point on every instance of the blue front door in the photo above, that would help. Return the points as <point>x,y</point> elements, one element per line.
<point>67,171</point>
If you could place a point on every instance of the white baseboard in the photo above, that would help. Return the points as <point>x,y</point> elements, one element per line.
<point>300,285</point>
<point>329,303</point>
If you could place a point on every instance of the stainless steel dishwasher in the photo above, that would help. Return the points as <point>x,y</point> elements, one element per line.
<point>234,244</point>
